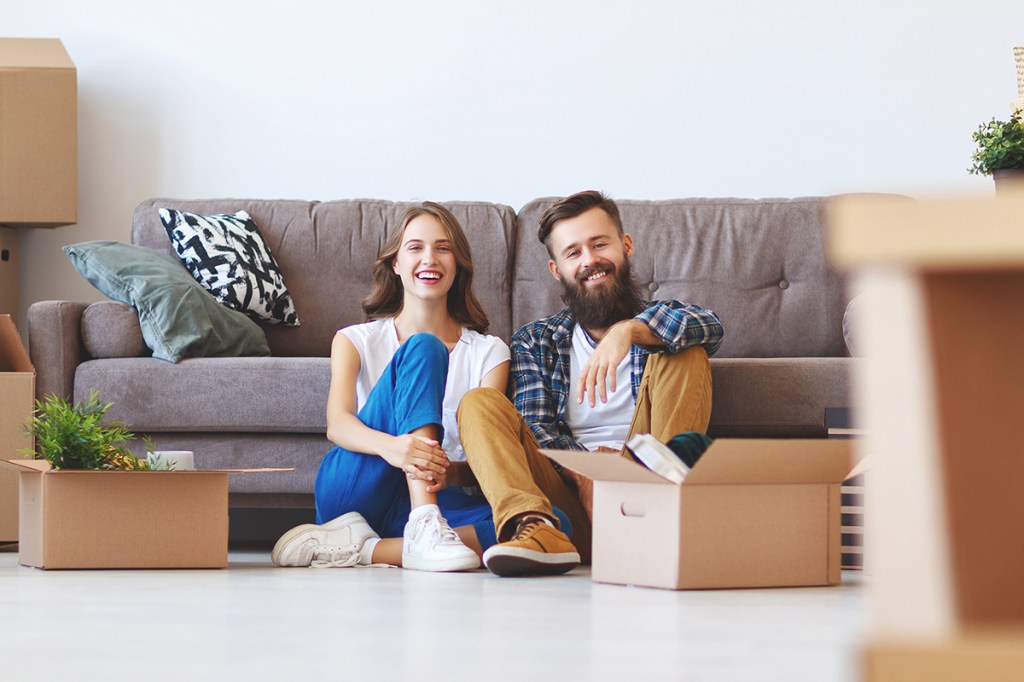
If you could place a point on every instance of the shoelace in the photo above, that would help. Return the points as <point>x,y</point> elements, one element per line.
<point>328,556</point>
<point>440,525</point>
<point>526,525</point>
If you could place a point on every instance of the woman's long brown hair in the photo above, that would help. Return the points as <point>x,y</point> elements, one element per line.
<point>387,297</point>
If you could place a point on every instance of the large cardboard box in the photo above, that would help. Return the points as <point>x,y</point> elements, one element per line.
<point>17,395</point>
<point>751,513</point>
<point>122,519</point>
<point>38,133</point>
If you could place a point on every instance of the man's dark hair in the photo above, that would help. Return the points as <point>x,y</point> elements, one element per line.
<point>575,205</point>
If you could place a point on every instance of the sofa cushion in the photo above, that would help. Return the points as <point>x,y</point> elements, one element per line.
<point>178,317</point>
<point>244,395</point>
<point>326,252</point>
<point>111,329</point>
<point>852,319</point>
<point>758,263</point>
<point>776,397</point>
<point>301,452</point>
<point>229,257</point>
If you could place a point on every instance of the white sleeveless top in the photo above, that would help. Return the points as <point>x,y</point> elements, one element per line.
<point>473,357</point>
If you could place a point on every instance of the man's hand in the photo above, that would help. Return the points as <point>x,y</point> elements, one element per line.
<point>597,376</point>
<point>458,474</point>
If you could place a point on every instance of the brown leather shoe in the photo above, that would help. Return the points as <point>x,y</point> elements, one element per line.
<point>537,548</point>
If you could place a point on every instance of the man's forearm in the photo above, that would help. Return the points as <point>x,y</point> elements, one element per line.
<point>680,325</point>
<point>640,334</point>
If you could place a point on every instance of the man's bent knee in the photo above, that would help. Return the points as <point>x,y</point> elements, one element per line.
<point>693,359</point>
<point>483,401</point>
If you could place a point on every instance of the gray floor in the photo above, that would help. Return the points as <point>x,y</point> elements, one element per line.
<point>255,622</point>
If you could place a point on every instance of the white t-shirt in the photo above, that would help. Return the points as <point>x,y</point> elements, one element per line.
<point>607,423</point>
<point>472,358</point>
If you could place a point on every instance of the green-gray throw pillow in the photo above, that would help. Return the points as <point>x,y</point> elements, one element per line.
<point>179,318</point>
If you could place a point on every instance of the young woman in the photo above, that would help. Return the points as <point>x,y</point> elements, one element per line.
<point>396,383</point>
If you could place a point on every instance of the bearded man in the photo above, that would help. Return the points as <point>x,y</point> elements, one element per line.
<point>586,378</point>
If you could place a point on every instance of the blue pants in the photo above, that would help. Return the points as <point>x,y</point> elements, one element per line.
<point>408,395</point>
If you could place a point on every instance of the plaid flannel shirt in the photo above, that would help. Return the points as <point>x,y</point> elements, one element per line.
<point>541,360</point>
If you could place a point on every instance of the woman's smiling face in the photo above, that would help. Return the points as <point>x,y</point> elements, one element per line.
<point>425,260</point>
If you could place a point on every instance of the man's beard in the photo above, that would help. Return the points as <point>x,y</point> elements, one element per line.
<point>602,307</point>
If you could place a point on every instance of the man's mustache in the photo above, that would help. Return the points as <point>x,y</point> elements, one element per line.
<point>599,268</point>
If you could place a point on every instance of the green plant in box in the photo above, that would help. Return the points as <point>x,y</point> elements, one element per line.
<point>1000,146</point>
<point>75,436</point>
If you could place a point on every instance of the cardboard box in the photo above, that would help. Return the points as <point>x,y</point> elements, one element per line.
<point>8,270</point>
<point>38,134</point>
<point>992,655</point>
<point>942,410</point>
<point>17,401</point>
<point>122,519</point>
<point>751,513</point>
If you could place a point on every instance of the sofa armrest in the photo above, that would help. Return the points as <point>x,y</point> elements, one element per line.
<point>55,345</point>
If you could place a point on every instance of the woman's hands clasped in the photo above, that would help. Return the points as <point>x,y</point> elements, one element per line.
<point>421,458</point>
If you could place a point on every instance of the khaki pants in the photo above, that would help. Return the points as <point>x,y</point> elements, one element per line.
<point>674,396</point>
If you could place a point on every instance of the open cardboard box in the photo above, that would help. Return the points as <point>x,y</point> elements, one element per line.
<point>122,519</point>
<point>751,513</point>
<point>17,396</point>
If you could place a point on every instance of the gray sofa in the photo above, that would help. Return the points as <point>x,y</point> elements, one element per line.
<point>759,264</point>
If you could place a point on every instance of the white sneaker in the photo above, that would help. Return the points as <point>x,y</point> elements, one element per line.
<point>430,544</point>
<point>334,544</point>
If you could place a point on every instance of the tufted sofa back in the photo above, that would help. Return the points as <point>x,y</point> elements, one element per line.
<point>758,263</point>
<point>326,252</point>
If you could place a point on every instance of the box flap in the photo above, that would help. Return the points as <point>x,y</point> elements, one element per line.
<point>753,461</point>
<point>34,53</point>
<point>264,470</point>
<point>36,465</point>
<point>13,357</point>
<point>604,466</point>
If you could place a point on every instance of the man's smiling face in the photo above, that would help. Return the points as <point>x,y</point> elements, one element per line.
<point>590,258</point>
<point>588,249</point>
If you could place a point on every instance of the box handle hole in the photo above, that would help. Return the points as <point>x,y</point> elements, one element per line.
<point>632,509</point>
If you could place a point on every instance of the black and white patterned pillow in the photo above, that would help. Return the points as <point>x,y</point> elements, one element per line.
<point>227,255</point>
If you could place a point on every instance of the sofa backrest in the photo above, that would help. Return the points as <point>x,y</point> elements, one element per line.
<point>326,251</point>
<point>758,263</point>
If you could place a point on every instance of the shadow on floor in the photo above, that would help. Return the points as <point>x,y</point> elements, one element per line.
<point>252,528</point>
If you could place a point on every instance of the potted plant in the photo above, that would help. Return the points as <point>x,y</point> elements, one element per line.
<point>75,436</point>
<point>1000,149</point>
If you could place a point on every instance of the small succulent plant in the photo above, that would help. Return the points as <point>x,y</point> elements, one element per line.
<point>1000,146</point>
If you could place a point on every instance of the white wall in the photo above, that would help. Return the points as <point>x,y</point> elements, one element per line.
<point>314,99</point>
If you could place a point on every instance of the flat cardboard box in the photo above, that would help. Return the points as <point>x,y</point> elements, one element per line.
<point>17,396</point>
<point>38,134</point>
<point>751,513</point>
<point>122,519</point>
